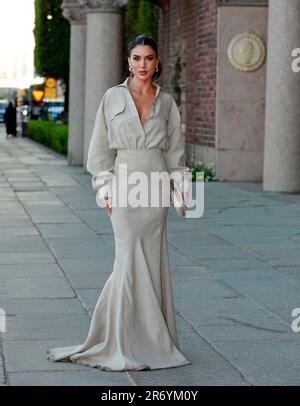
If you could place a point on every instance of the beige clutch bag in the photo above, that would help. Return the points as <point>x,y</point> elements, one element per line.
<point>177,199</point>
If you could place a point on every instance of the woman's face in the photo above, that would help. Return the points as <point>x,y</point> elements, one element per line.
<point>143,61</point>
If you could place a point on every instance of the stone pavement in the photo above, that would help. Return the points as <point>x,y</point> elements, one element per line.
<point>235,273</point>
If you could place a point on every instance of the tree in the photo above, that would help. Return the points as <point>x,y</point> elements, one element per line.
<point>52,42</point>
<point>140,17</point>
<point>147,18</point>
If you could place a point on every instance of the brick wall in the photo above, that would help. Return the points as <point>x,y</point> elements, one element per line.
<point>187,37</point>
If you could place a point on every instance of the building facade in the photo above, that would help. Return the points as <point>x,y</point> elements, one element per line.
<point>228,64</point>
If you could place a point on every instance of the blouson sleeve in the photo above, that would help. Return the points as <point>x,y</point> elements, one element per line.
<point>100,159</point>
<point>175,154</point>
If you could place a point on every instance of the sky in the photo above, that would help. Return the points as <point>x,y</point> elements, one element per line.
<point>16,43</point>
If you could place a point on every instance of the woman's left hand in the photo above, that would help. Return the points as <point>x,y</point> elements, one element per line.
<point>185,198</point>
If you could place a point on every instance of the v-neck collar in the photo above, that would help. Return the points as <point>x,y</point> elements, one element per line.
<point>135,111</point>
<point>125,84</point>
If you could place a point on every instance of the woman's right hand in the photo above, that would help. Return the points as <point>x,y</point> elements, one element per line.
<point>106,203</point>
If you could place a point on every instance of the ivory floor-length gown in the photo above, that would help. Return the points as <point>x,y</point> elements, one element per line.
<point>133,325</point>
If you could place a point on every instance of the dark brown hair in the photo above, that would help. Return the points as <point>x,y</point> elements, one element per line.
<point>146,39</point>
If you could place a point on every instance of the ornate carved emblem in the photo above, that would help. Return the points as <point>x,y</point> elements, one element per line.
<point>74,15</point>
<point>246,52</point>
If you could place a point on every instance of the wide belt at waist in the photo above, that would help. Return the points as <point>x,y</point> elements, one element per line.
<point>155,151</point>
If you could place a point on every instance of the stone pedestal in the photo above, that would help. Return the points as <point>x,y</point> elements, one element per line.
<point>240,92</point>
<point>77,17</point>
<point>95,65</point>
<point>282,124</point>
<point>103,58</point>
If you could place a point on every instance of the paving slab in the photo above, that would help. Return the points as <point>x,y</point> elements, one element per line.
<point>35,288</point>
<point>41,306</point>
<point>20,327</point>
<point>29,356</point>
<point>26,258</point>
<point>94,377</point>
<point>65,231</point>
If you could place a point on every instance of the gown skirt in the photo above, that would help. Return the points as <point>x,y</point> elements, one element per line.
<point>133,324</point>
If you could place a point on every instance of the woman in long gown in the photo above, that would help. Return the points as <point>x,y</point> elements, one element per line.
<point>137,125</point>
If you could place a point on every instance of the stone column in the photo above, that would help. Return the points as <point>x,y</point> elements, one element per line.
<point>77,17</point>
<point>282,122</point>
<point>103,57</point>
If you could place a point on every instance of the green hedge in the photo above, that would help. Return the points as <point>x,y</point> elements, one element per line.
<point>54,136</point>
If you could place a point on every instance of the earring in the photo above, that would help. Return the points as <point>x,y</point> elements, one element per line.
<point>156,69</point>
<point>130,68</point>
